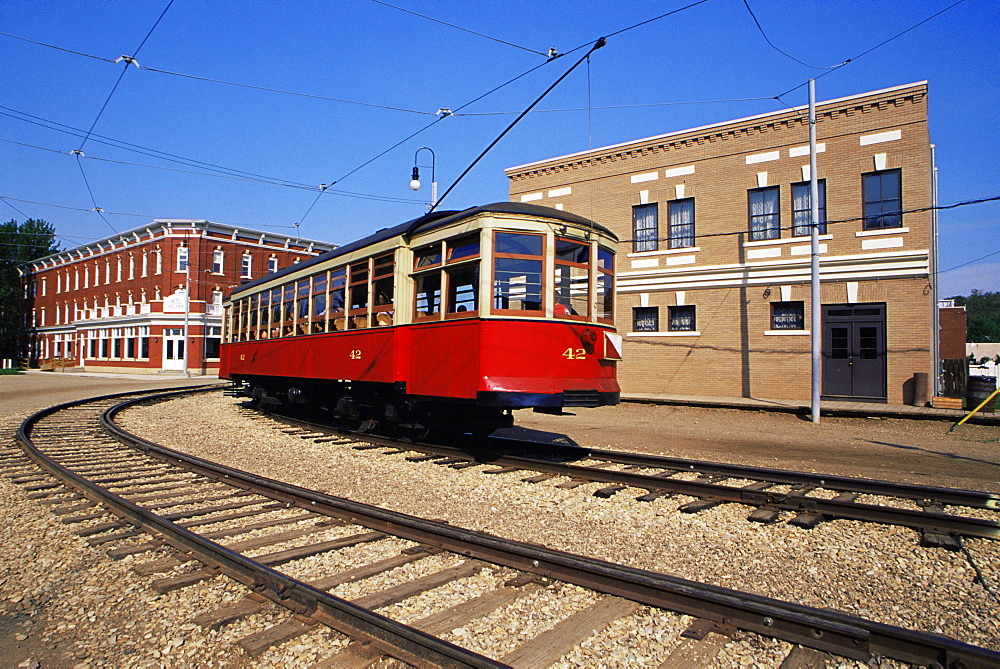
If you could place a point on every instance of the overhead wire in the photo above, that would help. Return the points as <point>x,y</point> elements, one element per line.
<point>100,212</point>
<point>775,47</point>
<point>126,62</point>
<point>345,193</point>
<point>225,82</point>
<point>457,27</point>
<point>877,46</point>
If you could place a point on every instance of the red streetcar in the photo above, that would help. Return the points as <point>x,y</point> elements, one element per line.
<point>452,320</point>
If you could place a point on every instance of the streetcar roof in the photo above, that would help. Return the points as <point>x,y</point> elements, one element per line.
<point>432,221</point>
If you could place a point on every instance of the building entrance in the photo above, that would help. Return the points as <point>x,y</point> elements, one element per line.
<point>173,349</point>
<point>854,352</point>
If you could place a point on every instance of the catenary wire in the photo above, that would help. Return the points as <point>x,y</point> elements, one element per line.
<point>345,193</point>
<point>452,25</point>
<point>224,82</point>
<point>100,212</point>
<point>125,64</point>
<point>783,53</point>
<point>877,46</point>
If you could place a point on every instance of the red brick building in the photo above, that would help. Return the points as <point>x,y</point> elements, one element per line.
<point>121,304</point>
<point>713,271</point>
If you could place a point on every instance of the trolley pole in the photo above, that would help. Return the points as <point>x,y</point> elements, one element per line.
<point>816,335</point>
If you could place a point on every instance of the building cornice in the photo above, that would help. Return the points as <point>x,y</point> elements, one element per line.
<point>826,110</point>
<point>162,228</point>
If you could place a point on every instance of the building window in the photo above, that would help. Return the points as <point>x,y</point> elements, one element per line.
<point>802,208</point>
<point>644,228</point>
<point>765,219</point>
<point>645,319</point>
<point>883,200</point>
<point>272,265</point>
<point>788,315</point>
<point>681,319</point>
<point>118,269</point>
<point>145,263</point>
<point>159,261</point>
<point>182,258</point>
<point>680,230</point>
<point>245,265</point>
<point>213,339</point>
<point>131,266</point>
<point>217,256</point>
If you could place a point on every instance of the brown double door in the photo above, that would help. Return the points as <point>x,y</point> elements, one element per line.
<point>854,352</point>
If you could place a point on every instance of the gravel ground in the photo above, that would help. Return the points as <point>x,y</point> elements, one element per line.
<point>64,603</point>
<point>873,571</point>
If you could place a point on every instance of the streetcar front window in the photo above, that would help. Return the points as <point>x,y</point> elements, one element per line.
<point>517,272</point>
<point>572,282</point>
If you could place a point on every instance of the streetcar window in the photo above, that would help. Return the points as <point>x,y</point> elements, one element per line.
<point>428,295</point>
<point>605,259</point>
<point>302,297</point>
<point>605,285</point>
<point>569,251</point>
<point>275,312</point>
<point>319,303</point>
<point>516,243</point>
<point>265,313</point>
<point>572,279</point>
<point>463,248</point>
<point>427,256</point>
<point>252,324</point>
<point>338,282</point>
<point>289,299</point>
<point>463,289</point>
<point>383,284</point>
<point>517,272</point>
<point>358,295</point>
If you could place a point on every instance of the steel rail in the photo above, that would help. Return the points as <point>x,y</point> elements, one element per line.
<point>927,520</point>
<point>952,496</point>
<point>835,632</point>
<point>400,641</point>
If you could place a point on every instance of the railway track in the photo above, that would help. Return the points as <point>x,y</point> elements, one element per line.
<point>232,522</point>
<point>940,515</point>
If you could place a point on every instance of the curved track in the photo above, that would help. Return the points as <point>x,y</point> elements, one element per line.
<point>179,498</point>
<point>941,515</point>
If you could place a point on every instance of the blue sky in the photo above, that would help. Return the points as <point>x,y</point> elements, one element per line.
<point>403,68</point>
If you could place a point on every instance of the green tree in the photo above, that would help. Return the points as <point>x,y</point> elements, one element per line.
<point>982,316</point>
<point>19,243</point>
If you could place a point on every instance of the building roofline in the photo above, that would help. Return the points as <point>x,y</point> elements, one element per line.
<point>169,222</point>
<point>612,147</point>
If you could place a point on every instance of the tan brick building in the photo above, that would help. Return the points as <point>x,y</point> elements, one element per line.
<point>713,292</point>
<point>120,304</point>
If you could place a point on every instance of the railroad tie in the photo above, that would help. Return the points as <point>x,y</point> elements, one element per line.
<point>256,644</point>
<point>699,505</point>
<point>804,658</point>
<point>226,614</point>
<point>549,646</point>
<point>478,607</point>
<point>389,596</point>
<point>355,655</point>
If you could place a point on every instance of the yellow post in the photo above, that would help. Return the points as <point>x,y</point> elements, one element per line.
<point>972,413</point>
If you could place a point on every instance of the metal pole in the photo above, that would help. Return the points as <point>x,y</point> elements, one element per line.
<point>187,307</point>
<point>935,293</point>
<point>816,334</point>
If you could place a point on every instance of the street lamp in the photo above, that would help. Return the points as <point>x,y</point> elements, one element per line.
<point>415,178</point>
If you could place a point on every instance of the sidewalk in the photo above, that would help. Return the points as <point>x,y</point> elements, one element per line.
<point>827,408</point>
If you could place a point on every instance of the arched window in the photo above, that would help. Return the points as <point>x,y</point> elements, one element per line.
<point>272,264</point>
<point>246,265</point>
<point>182,258</point>
<point>217,257</point>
